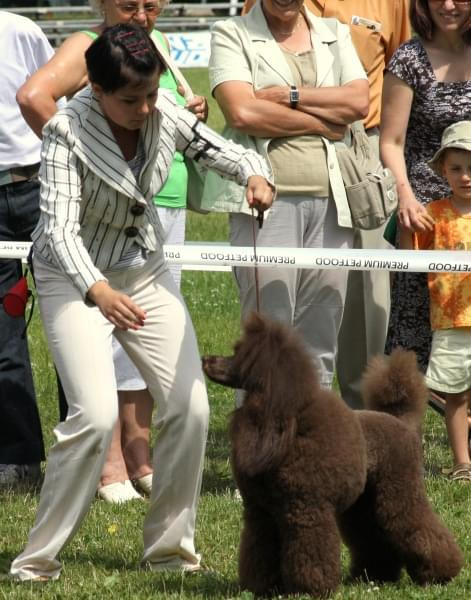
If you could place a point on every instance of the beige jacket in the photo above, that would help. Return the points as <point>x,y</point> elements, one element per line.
<point>243,49</point>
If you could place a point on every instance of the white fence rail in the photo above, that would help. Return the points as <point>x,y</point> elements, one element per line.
<point>58,22</point>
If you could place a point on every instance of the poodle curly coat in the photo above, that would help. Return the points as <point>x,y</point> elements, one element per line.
<point>312,472</point>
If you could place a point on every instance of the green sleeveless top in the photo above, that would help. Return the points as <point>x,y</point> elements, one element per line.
<point>173,193</point>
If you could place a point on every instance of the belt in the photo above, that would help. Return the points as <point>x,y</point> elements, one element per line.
<point>17,174</point>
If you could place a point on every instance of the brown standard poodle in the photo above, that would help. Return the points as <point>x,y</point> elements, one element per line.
<point>312,472</point>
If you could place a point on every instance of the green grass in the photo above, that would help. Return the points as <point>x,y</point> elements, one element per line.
<point>102,561</point>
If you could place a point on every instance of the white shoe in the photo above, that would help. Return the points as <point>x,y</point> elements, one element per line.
<point>144,484</point>
<point>176,564</point>
<point>119,492</point>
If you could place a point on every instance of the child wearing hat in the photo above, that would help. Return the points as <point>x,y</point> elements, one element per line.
<point>449,368</point>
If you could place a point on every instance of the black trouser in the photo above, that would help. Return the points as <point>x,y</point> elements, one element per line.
<point>21,439</point>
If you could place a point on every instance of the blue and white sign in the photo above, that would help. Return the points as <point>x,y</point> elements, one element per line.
<point>190,49</point>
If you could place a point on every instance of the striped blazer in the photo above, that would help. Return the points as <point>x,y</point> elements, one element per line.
<point>90,200</point>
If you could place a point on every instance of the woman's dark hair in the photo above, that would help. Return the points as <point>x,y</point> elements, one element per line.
<point>423,25</point>
<point>121,54</point>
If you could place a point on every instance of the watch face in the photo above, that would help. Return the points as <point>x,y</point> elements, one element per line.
<point>293,97</point>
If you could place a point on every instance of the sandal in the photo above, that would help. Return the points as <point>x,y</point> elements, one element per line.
<point>461,472</point>
<point>143,484</point>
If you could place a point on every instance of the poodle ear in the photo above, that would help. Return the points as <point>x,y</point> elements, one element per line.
<point>279,378</point>
<point>274,406</point>
<point>261,445</point>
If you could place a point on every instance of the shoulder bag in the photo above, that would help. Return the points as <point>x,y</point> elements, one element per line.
<point>370,187</point>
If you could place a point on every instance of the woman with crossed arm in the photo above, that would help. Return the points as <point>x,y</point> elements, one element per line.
<point>293,82</point>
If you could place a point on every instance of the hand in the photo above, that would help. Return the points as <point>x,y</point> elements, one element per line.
<point>198,105</point>
<point>333,131</point>
<point>117,307</point>
<point>413,215</point>
<point>259,193</point>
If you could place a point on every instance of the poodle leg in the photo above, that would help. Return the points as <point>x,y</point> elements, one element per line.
<point>411,528</point>
<point>259,554</point>
<point>427,547</point>
<point>310,555</point>
<point>372,556</point>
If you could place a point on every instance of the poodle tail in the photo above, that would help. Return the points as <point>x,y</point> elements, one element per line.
<point>395,385</point>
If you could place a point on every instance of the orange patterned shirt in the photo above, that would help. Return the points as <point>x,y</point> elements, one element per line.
<point>450,293</point>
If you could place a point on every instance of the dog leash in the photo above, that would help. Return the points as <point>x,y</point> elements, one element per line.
<point>259,219</point>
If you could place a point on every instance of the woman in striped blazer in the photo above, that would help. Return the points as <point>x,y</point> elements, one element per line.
<point>100,270</point>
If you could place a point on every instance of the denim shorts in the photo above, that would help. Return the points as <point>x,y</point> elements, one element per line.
<point>449,368</point>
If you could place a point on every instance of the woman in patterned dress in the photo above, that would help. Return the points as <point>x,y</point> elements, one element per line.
<point>427,87</point>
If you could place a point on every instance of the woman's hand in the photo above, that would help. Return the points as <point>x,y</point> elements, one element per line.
<point>117,307</point>
<point>413,215</point>
<point>259,193</point>
<point>198,105</point>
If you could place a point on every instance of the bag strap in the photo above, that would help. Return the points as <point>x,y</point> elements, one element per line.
<point>171,64</point>
<point>360,142</point>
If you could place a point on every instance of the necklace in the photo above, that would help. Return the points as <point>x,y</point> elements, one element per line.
<point>297,25</point>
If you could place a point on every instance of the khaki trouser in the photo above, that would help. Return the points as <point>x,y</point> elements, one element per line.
<point>366,315</point>
<point>166,353</point>
<point>311,300</point>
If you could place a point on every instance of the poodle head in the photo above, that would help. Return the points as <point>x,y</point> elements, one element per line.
<point>269,353</point>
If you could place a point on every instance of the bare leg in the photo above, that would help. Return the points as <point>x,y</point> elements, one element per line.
<point>135,409</point>
<point>456,416</point>
<point>114,469</point>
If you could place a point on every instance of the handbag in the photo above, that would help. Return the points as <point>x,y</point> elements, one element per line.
<point>196,185</point>
<point>370,187</point>
<point>225,195</point>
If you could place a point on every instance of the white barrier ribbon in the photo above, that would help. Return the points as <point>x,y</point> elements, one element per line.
<point>212,256</point>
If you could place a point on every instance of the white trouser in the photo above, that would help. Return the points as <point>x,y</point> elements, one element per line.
<point>309,299</point>
<point>173,223</point>
<point>166,352</point>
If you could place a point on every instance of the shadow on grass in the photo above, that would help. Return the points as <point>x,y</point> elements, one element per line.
<point>217,476</point>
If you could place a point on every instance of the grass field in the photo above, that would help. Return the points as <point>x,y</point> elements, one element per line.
<point>102,562</point>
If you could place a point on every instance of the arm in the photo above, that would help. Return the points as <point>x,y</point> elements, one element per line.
<point>341,104</point>
<point>198,105</point>
<point>197,141</point>
<point>243,110</point>
<point>63,75</point>
<point>395,112</point>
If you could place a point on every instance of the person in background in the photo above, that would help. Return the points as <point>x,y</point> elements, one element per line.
<point>128,458</point>
<point>100,270</point>
<point>377,29</point>
<point>23,49</point>
<point>449,367</point>
<point>293,83</point>
<point>427,88</point>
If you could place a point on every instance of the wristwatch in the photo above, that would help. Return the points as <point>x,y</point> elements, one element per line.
<point>293,96</point>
